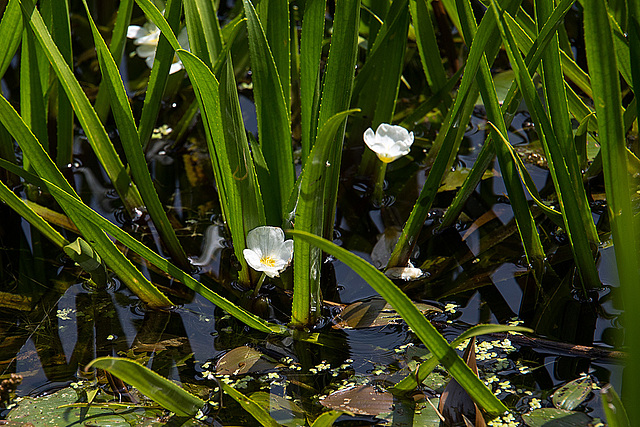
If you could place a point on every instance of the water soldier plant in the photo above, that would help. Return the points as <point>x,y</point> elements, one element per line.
<point>304,96</point>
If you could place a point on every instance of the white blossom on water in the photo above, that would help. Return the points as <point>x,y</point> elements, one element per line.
<point>389,142</point>
<point>267,251</point>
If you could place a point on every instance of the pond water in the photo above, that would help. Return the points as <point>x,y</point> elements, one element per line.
<point>53,325</point>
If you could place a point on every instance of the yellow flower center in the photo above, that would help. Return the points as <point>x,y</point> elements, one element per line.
<point>385,159</point>
<point>268,261</point>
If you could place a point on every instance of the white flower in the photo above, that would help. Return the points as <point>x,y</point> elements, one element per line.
<point>267,250</point>
<point>146,38</point>
<point>390,142</point>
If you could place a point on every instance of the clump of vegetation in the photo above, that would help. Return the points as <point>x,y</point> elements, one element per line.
<point>324,75</point>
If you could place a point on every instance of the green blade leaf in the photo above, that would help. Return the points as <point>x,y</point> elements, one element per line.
<point>32,97</point>
<point>167,45</point>
<point>77,209</point>
<point>410,382</point>
<point>205,38</point>
<point>310,54</point>
<point>116,47</point>
<point>61,33</point>
<point>309,214</point>
<point>274,17</point>
<point>132,147</point>
<point>613,408</point>
<point>447,143</point>
<point>327,419</point>
<point>416,321</point>
<point>87,116</point>
<point>272,109</point>
<point>22,209</point>
<point>257,411</point>
<point>509,108</point>
<point>576,216</point>
<point>42,163</point>
<point>164,392</point>
<point>10,34</point>
<point>336,92</point>
<point>427,44</point>
<point>607,100</point>
<point>233,166</point>
<point>522,214</point>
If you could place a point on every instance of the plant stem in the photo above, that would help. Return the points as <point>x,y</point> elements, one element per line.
<point>259,285</point>
<point>378,188</point>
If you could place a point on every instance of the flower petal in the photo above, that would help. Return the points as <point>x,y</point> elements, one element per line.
<point>369,138</point>
<point>271,271</point>
<point>286,251</point>
<point>146,51</point>
<point>253,259</point>
<point>175,67</point>
<point>134,32</point>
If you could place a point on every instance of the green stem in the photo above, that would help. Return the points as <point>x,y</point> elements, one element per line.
<point>378,188</point>
<point>259,285</point>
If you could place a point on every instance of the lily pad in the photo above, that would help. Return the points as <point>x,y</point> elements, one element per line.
<point>572,394</point>
<point>553,417</point>
<point>243,360</point>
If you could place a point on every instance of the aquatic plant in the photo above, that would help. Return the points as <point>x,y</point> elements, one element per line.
<point>258,187</point>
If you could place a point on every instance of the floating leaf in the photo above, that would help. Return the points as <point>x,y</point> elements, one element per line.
<point>502,81</point>
<point>361,400</point>
<point>456,178</point>
<point>49,410</point>
<point>372,313</point>
<point>242,360</point>
<point>552,417</point>
<point>572,394</point>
